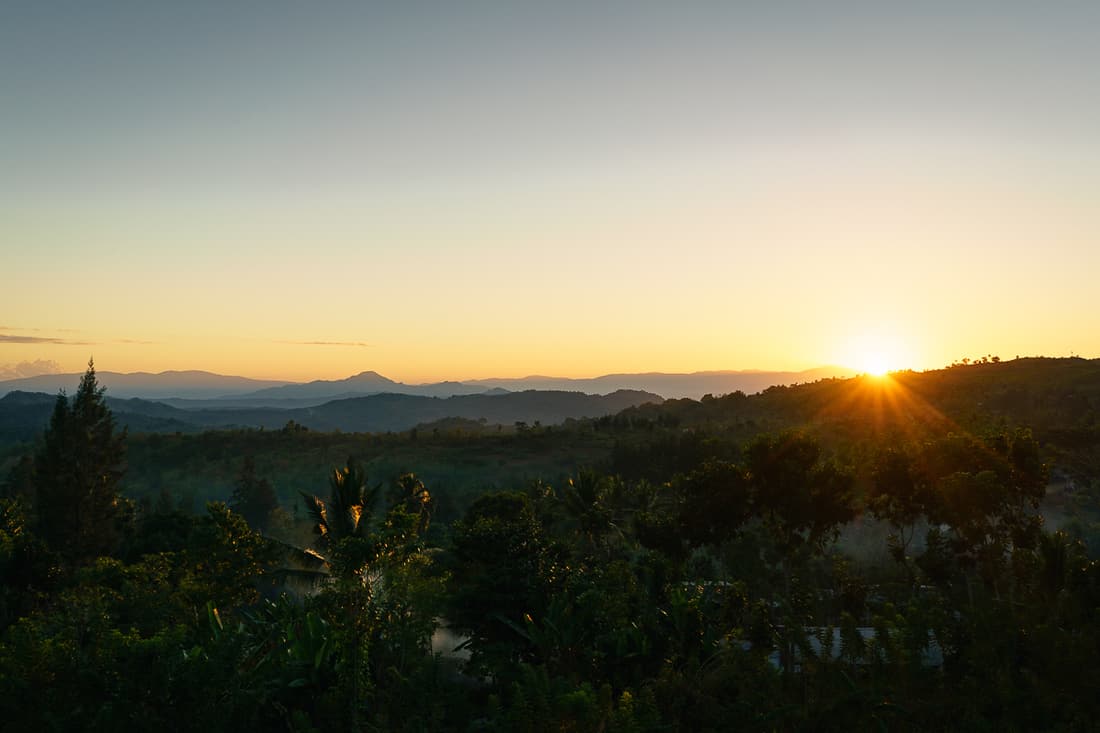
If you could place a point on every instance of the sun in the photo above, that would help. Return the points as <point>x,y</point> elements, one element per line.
<point>876,353</point>
<point>875,365</point>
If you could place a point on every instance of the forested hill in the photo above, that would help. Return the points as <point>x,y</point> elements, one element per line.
<point>24,414</point>
<point>1039,391</point>
<point>401,412</point>
<point>1059,399</point>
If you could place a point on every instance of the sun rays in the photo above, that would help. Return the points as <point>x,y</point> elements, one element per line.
<point>887,404</point>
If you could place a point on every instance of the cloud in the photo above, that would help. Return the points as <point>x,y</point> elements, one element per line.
<point>7,338</point>
<point>36,330</point>
<point>327,343</point>
<point>29,369</point>
<point>13,338</point>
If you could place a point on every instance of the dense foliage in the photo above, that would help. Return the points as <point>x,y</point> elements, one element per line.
<point>874,560</point>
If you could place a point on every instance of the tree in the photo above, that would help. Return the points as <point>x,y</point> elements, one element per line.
<point>715,500</point>
<point>253,497</point>
<point>590,501</point>
<point>803,502</point>
<point>503,570</point>
<point>802,499</point>
<point>897,498</point>
<point>20,481</point>
<point>987,492</point>
<point>77,472</point>
<point>348,511</point>
<point>411,502</point>
<point>375,568</point>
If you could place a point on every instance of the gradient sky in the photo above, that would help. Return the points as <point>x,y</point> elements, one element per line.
<point>472,189</point>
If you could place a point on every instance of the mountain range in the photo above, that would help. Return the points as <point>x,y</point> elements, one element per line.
<point>182,384</point>
<point>198,390</point>
<point>24,414</point>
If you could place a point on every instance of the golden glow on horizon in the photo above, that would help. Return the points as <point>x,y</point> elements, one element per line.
<point>486,212</point>
<point>878,352</point>
<point>572,287</point>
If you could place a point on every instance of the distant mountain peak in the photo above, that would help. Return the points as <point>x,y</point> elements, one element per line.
<point>368,375</point>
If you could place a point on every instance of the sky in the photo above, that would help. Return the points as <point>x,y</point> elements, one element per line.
<point>458,190</point>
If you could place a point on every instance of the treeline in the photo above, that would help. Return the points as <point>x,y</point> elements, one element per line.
<point>703,591</point>
<point>1059,399</point>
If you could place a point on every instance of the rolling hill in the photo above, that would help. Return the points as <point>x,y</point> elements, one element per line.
<point>24,414</point>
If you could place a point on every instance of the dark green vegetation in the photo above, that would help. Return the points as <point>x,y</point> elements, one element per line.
<point>908,554</point>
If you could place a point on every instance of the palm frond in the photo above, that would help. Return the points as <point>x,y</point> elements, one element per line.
<point>317,512</point>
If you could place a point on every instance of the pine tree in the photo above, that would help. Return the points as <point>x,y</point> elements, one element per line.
<point>77,472</point>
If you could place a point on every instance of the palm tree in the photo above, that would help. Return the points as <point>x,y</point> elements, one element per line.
<point>348,511</point>
<point>343,526</point>
<point>594,502</point>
